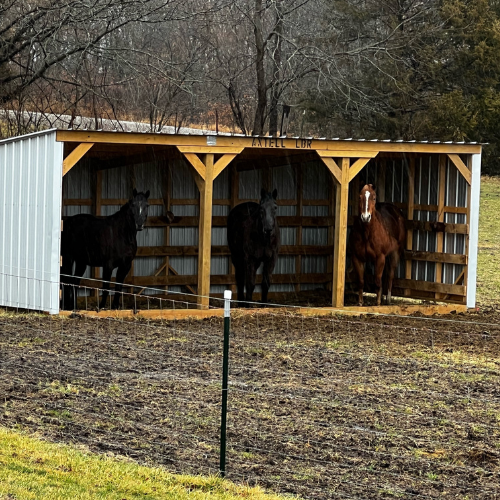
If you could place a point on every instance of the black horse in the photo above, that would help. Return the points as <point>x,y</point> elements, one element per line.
<point>106,242</point>
<point>253,237</point>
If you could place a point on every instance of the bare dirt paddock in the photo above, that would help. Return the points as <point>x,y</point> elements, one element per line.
<point>322,407</point>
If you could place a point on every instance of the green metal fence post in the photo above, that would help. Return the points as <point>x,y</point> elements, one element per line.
<point>225,370</point>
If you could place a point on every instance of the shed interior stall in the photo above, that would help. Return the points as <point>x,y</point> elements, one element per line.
<point>200,177</point>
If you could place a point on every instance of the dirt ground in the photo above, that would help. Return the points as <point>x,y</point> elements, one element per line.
<point>327,407</point>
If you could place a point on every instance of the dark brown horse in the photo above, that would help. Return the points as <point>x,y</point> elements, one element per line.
<point>253,237</point>
<point>378,235</point>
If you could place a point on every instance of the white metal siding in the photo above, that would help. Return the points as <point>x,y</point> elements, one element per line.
<point>30,225</point>
<point>473,230</point>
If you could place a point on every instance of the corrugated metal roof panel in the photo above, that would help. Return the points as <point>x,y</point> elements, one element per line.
<point>61,122</point>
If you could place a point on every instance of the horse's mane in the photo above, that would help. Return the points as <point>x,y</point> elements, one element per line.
<point>125,207</point>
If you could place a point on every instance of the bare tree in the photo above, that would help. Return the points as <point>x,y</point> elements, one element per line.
<point>37,36</point>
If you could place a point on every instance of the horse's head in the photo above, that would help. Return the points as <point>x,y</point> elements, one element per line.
<point>268,207</point>
<point>139,206</point>
<point>367,200</point>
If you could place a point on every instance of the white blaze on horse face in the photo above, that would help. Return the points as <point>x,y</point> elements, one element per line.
<point>366,216</point>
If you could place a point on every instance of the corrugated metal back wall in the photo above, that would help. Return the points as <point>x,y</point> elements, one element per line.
<point>426,193</point>
<point>31,174</point>
<point>117,184</point>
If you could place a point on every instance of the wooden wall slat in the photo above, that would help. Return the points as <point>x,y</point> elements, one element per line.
<point>430,286</point>
<point>446,258</point>
<point>222,250</point>
<point>438,227</point>
<point>216,279</point>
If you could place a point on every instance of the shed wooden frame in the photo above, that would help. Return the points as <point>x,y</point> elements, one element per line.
<point>209,155</point>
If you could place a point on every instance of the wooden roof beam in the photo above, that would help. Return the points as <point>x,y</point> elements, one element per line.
<point>356,167</point>
<point>462,168</point>
<point>333,167</point>
<point>75,156</point>
<point>198,165</point>
<point>339,148</point>
<point>222,163</point>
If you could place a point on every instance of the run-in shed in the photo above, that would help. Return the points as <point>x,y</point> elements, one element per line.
<point>57,173</point>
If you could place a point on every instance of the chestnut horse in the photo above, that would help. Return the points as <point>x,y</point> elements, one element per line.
<point>378,235</point>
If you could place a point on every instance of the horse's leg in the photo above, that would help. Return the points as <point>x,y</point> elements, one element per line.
<point>79,272</point>
<point>392,264</point>
<point>250,272</point>
<point>240,283</point>
<point>360,272</point>
<point>379,270</point>
<point>385,278</point>
<point>106,278</point>
<point>121,274</point>
<point>67,282</point>
<point>266,277</point>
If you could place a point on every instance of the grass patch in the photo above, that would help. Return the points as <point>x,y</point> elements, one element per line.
<point>488,277</point>
<point>32,469</point>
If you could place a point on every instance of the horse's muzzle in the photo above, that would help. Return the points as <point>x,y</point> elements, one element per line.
<point>366,218</point>
<point>139,228</point>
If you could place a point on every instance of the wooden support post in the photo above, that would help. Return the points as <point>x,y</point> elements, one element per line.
<point>340,244</point>
<point>205,232</point>
<point>204,174</point>
<point>411,205</point>
<point>440,218</point>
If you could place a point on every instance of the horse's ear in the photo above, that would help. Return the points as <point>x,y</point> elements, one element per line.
<point>134,192</point>
<point>373,187</point>
<point>275,193</point>
<point>262,193</point>
<point>147,194</point>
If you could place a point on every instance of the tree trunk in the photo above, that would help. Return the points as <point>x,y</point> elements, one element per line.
<point>276,59</point>
<point>260,112</point>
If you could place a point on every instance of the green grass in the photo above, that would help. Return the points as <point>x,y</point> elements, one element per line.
<point>488,270</point>
<point>33,469</point>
